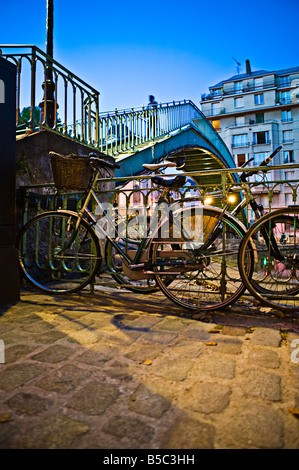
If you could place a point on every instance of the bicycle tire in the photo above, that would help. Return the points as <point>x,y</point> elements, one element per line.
<point>274,282</point>
<point>201,288</point>
<point>48,263</point>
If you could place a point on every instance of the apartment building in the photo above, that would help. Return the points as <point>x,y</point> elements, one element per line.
<point>254,113</point>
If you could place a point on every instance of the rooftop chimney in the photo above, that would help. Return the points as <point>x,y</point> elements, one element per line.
<point>248,69</point>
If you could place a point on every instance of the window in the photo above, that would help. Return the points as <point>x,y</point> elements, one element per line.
<point>259,99</point>
<point>287,136</point>
<point>283,81</point>
<point>289,175</point>
<point>259,117</point>
<point>288,156</point>
<point>216,124</point>
<point>286,116</point>
<point>289,199</point>
<point>284,97</point>
<point>261,137</point>
<point>258,83</point>
<point>214,109</point>
<point>259,157</point>
<point>240,140</point>
<point>241,158</point>
<point>239,102</point>
<point>217,92</point>
<point>239,121</point>
<point>238,87</point>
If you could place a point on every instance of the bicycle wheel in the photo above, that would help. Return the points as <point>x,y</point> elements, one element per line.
<point>56,258</point>
<point>275,277</point>
<point>193,273</point>
<point>119,270</point>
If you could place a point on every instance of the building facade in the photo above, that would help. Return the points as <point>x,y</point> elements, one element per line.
<point>254,113</point>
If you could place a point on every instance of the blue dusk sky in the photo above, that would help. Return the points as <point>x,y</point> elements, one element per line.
<point>172,49</point>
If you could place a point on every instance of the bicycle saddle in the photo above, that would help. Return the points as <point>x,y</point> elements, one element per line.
<point>171,182</point>
<point>157,166</point>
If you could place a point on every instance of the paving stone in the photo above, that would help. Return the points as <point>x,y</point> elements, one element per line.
<point>64,380</point>
<point>98,354</point>
<point>28,403</point>
<point>4,328</point>
<point>228,346</point>
<point>7,430</point>
<point>12,338</point>
<point>196,332</point>
<point>264,358</point>
<point>218,366</point>
<point>16,352</point>
<point>152,337</point>
<point>266,337</point>
<point>94,398</point>
<point>130,428</point>
<point>55,432</point>
<point>14,376</point>
<point>173,369</point>
<point>148,403</point>
<point>188,348</point>
<point>49,338</point>
<point>172,325</point>
<point>189,433</point>
<point>117,369</point>
<point>38,327</point>
<point>233,331</point>
<point>54,354</point>
<point>262,384</point>
<point>83,336</point>
<point>140,353</point>
<point>208,397</point>
<point>258,426</point>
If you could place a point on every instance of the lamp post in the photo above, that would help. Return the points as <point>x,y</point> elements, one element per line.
<point>48,104</point>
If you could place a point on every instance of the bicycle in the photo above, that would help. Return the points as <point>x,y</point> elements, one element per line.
<point>274,280</point>
<point>62,251</point>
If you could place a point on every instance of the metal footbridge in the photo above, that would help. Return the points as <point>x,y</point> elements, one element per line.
<point>60,102</point>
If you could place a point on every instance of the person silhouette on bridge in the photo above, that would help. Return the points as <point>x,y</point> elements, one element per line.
<point>152,117</point>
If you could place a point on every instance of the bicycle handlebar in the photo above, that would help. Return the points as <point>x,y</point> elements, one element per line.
<point>244,175</point>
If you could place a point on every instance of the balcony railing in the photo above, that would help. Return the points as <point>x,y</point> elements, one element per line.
<point>246,88</point>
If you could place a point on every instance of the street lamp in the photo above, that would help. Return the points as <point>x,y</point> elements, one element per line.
<point>48,104</point>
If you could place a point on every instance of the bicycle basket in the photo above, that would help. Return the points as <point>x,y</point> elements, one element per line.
<point>70,171</point>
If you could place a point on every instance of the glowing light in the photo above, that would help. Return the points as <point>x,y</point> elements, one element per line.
<point>208,200</point>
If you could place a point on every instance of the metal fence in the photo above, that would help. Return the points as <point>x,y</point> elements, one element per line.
<point>57,99</point>
<point>61,102</point>
<point>138,192</point>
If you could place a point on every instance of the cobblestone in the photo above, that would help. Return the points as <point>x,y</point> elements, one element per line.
<point>117,370</point>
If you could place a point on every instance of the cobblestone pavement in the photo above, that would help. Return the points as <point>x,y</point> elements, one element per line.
<point>116,370</point>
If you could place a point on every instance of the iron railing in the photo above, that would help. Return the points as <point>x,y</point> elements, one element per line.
<point>138,192</point>
<point>68,105</point>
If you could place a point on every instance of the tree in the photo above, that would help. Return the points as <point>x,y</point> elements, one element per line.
<point>24,116</point>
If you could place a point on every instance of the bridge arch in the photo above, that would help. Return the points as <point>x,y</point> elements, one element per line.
<point>199,152</point>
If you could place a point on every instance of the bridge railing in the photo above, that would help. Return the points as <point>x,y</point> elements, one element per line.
<point>124,130</point>
<point>57,99</point>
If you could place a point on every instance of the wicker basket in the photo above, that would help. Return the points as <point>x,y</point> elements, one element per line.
<point>70,171</point>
